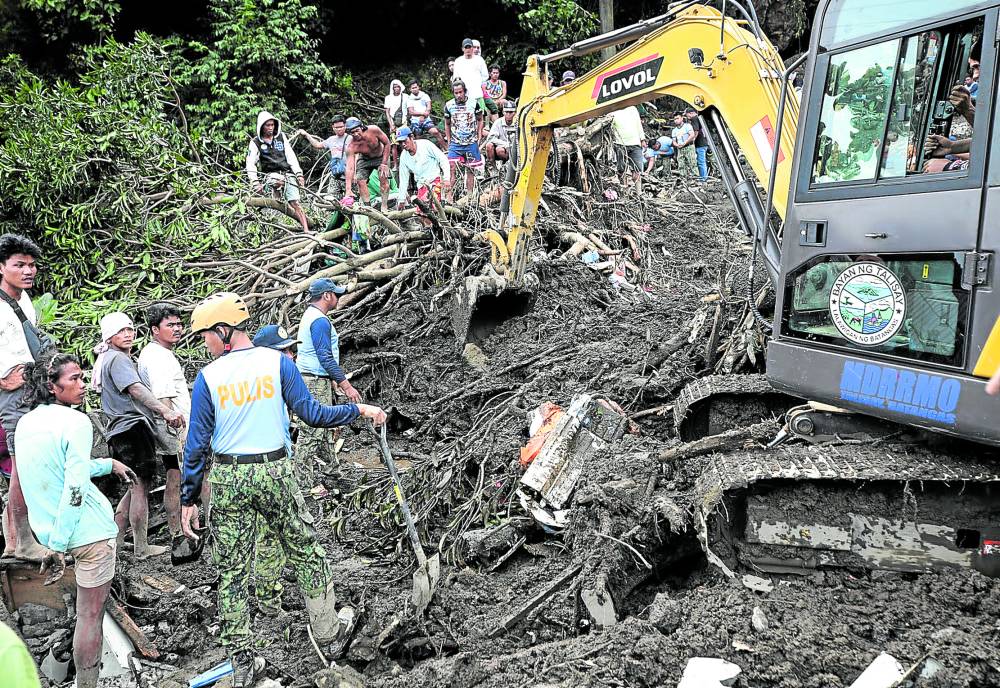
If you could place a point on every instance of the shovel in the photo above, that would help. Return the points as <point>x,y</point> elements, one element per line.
<point>428,571</point>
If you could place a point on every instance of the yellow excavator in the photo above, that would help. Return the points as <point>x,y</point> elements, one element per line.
<point>887,190</point>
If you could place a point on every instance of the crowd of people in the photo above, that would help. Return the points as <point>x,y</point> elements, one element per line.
<point>477,130</point>
<point>223,450</point>
<point>382,158</point>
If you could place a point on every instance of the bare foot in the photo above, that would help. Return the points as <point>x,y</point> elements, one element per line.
<point>151,551</point>
<point>29,551</point>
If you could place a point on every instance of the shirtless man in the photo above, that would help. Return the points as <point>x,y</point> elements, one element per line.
<point>369,150</point>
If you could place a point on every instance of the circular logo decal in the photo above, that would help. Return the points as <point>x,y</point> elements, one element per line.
<point>867,303</point>
<point>282,332</point>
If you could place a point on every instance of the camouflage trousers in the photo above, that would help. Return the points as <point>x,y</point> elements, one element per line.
<point>687,161</point>
<point>245,498</point>
<point>314,443</point>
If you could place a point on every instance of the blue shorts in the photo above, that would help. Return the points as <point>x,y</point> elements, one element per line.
<point>468,154</point>
<point>422,127</point>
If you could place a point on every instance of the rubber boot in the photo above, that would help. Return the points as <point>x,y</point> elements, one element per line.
<point>323,619</point>
<point>87,678</point>
<point>246,668</point>
<point>331,629</point>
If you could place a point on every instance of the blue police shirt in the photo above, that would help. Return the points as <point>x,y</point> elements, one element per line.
<point>238,406</point>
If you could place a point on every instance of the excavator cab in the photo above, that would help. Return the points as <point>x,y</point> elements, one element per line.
<point>886,303</point>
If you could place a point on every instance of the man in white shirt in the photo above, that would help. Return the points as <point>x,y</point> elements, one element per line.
<point>18,266</point>
<point>160,371</point>
<point>426,163</point>
<point>627,127</point>
<point>471,70</point>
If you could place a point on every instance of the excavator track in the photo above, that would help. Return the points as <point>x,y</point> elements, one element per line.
<point>713,404</point>
<point>801,508</point>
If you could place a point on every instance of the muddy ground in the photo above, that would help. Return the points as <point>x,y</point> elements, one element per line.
<point>457,425</point>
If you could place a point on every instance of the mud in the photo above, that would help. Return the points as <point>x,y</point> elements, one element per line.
<point>459,428</point>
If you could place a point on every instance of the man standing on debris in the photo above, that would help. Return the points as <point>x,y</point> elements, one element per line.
<point>368,151</point>
<point>463,121</point>
<point>130,408</point>
<point>627,127</point>
<point>425,162</point>
<point>700,143</point>
<point>337,145</point>
<point>20,344</point>
<point>319,362</point>
<point>683,137</point>
<point>269,555</point>
<point>239,415</point>
<point>271,149</point>
<point>66,510</point>
<point>471,70</point>
<point>160,371</point>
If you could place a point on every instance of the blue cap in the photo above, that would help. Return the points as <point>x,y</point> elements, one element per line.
<point>324,285</point>
<point>274,337</point>
<point>403,133</point>
<point>352,123</point>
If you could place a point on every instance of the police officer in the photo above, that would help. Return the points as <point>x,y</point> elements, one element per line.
<point>319,362</point>
<point>239,416</point>
<point>270,559</point>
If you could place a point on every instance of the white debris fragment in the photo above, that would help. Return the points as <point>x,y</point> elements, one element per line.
<point>758,620</point>
<point>884,672</point>
<point>757,584</point>
<point>709,672</point>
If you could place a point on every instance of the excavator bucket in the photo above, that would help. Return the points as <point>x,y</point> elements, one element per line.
<point>484,302</point>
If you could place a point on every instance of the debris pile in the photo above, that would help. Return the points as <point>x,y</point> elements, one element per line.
<point>537,447</point>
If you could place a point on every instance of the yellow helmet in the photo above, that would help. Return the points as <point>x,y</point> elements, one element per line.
<point>224,308</point>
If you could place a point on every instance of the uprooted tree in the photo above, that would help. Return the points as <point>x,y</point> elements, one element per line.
<point>105,175</point>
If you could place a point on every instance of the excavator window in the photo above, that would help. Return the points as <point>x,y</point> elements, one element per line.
<point>831,305</point>
<point>898,108</point>
<point>850,19</point>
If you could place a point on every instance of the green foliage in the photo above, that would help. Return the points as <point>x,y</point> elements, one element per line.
<point>550,25</point>
<point>59,17</point>
<point>262,55</point>
<point>46,309</point>
<point>554,22</point>
<point>101,176</point>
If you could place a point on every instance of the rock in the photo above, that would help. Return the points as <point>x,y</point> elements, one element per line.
<point>485,544</point>
<point>709,672</point>
<point>268,683</point>
<point>946,634</point>
<point>338,677</point>
<point>33,615</point>
<point>666,614</point>
<point>476,357</point>
<point>758,620</point>
<point>163,628</point>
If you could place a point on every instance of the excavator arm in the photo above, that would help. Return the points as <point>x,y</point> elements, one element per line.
<point>724,67</point>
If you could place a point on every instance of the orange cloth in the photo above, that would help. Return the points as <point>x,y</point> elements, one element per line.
<point>550,416</point>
